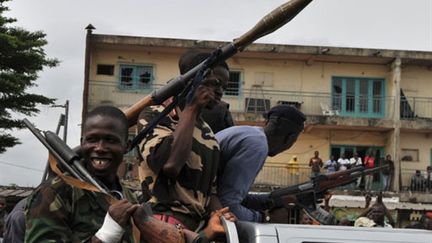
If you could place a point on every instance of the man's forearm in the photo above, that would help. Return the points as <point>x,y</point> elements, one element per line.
<point>182,142</point>
<point>215,203</point>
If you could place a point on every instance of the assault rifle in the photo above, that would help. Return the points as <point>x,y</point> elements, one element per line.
<point>152,229</point>
<point>307,195</point>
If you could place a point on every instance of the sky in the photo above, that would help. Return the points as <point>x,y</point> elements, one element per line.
<point>382,24</point>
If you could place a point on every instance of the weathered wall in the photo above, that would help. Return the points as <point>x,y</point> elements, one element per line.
<point>423,143</point>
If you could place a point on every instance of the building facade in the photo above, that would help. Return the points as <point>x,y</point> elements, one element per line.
<point>364,101</point>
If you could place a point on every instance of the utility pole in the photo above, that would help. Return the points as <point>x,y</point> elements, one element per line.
<point>65,124</point>
<point>63,121</point>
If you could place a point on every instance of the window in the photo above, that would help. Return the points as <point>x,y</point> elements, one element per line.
<point>264,79</point>
<point>136,76</point>
<point>103,69</point>
<point>360,97</point>
<point>410,155</point>
<point>257,105</point>
<point>233,84</point>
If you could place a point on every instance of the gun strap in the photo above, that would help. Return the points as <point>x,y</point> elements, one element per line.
<point>69,179</point>
<point>88,187</point>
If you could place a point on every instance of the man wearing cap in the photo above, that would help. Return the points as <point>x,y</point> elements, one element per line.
<point>244,150</point>
<point>181,156</point>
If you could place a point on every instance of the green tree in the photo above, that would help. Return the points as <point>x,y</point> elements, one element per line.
<point>21,58</point>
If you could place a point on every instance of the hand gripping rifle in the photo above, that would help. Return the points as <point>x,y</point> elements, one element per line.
<point>307,195</point>
<point>269,23</point>
<point>69,161</point>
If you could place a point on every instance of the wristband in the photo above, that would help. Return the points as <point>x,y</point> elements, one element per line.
<point>111,231</point>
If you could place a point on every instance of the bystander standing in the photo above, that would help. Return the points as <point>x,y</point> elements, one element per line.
<point>316,164</point>
<point>331,165</point>
<point>387,173</point>
<point>293,170</point>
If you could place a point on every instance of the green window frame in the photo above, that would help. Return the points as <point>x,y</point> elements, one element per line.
<point>359,97</point>
<point>134,77</point>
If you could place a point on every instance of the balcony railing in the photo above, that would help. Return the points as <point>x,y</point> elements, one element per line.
<point>310,103</point>
<point>110,93</point>
<point>415,107</point>
<point>313,103</point>
<point>415,183</point>
<point>282,174</point>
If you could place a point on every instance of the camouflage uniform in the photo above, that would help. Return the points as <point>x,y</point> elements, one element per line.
<point>3,215</point>
<point>189,194</point>
<point>58,212</point>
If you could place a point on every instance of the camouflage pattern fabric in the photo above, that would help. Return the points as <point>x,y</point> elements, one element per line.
<point>58,212</point>
<point>3,216</point>
<point>190,192</point>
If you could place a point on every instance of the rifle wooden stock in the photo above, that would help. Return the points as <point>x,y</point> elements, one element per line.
<point>341,178</point>
<point>338,174</point>
<point>133,111</point>
<point>268,24</point>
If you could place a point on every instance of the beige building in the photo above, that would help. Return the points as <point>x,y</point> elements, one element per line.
<point>355,100</point>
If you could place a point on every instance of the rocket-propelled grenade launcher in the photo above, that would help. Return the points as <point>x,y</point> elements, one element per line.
<point>268,24</point>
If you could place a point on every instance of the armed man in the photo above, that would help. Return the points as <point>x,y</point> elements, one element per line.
<point>182,155</point>
<point>244,150</point>
<point>61,211</point>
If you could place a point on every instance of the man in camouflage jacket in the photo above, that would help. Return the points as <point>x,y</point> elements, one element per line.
<point>181,156</point>
<point>59,212</point>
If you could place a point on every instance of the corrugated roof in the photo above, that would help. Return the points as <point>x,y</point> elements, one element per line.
<point>15,191</point>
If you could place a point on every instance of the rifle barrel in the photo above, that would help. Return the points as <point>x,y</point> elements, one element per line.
<point>71,158</point>
<point>39,136</point>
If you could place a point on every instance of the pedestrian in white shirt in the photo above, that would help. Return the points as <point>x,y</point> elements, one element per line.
<point>354,162</point>
<point>343,163</point>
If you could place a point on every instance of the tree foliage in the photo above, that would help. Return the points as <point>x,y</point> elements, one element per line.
<point>21,58</point>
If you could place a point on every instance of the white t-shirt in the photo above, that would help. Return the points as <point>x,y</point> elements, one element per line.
<point>353,161</point>
<point>343,164</point>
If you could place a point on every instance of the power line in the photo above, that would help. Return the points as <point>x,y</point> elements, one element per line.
<point>21,166</point>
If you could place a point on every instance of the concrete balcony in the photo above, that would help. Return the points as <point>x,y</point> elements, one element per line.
<point>322,109</point>
<point>110,93</point>
<point>416,114</point>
